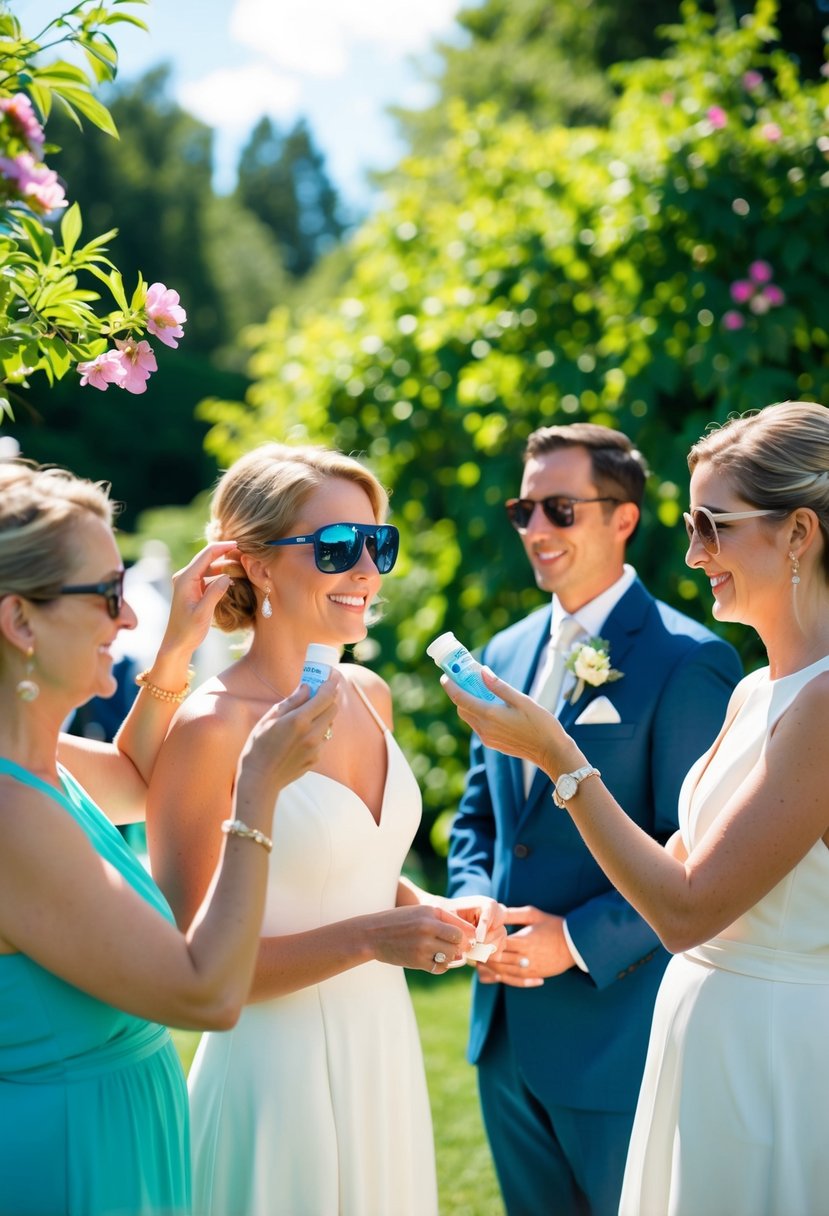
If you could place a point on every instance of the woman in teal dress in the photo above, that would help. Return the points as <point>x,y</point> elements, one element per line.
<point>93,1104</point>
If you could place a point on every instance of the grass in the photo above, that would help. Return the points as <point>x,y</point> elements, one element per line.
<point>466,1179</point>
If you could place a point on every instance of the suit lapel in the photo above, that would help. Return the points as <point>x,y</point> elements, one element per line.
<point>520,671</point>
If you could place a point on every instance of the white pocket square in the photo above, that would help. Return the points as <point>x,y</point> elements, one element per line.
<point>598,712</point>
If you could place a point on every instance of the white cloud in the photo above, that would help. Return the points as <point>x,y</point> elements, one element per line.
<point>317,37</point>
<point>233,99</point>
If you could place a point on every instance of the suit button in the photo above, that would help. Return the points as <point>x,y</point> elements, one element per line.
<point>521,851</point>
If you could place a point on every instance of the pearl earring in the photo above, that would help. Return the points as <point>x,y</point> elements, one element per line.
<point>267,611</point>
<point>27,689</point>
<point>795,567</point>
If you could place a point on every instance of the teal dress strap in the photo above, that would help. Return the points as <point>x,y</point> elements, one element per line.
<point>102,833</point>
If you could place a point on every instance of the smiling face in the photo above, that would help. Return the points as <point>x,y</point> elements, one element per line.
<point>314,606</point>
<point>72,634</point>
<point>580,562</point>
<point>751,572</point>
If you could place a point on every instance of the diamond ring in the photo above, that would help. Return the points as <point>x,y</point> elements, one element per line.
<point>440,957</point>
<point>523,962</point>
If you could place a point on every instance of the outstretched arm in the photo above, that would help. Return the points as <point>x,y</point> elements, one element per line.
<point>749,850</point>
<point>117,774</point>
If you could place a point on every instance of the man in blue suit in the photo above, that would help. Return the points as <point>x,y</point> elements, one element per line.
<point>560,1023</point>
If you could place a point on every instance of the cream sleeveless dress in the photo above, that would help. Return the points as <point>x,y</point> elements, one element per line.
<point>733,1113</point>
<point>315,1104</point>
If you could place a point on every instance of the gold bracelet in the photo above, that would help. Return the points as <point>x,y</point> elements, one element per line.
<point>163,694</point>
<point>235,827</point>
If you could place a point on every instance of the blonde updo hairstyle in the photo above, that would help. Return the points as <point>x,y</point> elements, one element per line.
<point>39,511</point>
<point>777,458</point>
<point>259,498</point>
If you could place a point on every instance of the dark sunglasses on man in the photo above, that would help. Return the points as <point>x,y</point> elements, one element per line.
<point>559,509</point>
<point>337,547</point>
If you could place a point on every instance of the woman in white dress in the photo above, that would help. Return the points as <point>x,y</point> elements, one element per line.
<point>734,1103</point>
<point>315,1104</point>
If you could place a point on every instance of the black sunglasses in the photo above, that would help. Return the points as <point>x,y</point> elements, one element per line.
<point>337,547</point>
<point>112,590</point>
<point>558,509</point>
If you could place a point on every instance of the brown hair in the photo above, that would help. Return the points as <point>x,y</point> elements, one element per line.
<point>619,469</point>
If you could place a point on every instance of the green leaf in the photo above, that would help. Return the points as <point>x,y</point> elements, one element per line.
<point>70,228</point>
<point>116,286</point>
<point>90,107</point>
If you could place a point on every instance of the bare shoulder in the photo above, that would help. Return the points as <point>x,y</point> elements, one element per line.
<point>215,717</point>
<point>372,686</point>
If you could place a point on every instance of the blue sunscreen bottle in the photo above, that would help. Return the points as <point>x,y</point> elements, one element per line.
<point>459,665</point>
<point>319,660</point>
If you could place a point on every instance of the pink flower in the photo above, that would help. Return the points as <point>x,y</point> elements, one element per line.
<point>19,110</point>
<point>752,80</point>
<point>717,116</point>
<point>164,314</point>
<point>733,319</point>
<point>760,272</point>
<point>138,362</point>
<point>774,296</point>
<point>105,370</point>
<point>771,132</point>
<point>741,291</point>
<point>36,185</point>
<point>667,98</point>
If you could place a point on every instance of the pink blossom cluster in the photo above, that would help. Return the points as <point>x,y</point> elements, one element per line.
<point>131,363</point>
<point>19,113</point>
<point>758,292</point>
<point>32,182</point>
<point>23,175</point>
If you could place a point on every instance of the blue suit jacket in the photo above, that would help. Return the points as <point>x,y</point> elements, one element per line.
<point>582,1038</point>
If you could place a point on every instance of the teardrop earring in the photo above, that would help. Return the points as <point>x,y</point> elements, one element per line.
<point>27,689</point>
<point>267,610</point>
<point>795,567</point>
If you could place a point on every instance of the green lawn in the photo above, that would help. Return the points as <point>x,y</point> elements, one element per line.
<point>466,1179</point>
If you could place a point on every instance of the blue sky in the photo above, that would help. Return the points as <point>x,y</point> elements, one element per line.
<point>337,62</point>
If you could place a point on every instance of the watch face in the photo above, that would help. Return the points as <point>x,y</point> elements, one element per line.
<point>567,786</point>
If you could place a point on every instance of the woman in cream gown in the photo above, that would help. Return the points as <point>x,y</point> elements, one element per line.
<point>315,1104</point>
<point>734,1103</point>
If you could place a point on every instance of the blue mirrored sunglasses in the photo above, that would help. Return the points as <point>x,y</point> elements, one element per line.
<point>337,547</point>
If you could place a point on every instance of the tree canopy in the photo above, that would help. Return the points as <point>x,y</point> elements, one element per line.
<point>654,274</point>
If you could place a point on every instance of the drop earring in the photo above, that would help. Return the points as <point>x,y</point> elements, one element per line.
<point>27,689</point>
<point>267,611</point>
<point>795,567</point>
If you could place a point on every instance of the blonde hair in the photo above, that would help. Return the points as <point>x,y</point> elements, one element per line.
<point>39,508</point>
<point>258,499</point>
<point>777,458</point>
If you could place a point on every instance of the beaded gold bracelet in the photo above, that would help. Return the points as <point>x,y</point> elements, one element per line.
<point>163,694</point>
<point>235,827</point>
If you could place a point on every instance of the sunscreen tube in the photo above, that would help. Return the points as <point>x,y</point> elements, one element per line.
<point>459,665</point>
<point>319,660</point>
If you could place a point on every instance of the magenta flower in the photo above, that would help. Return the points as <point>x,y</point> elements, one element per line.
<point>717,116</point>
<point>21,113</point>
<point>752,80</point>
<point>138,362</point>
<point>774,296</point>
<point>760,272</point>
<point>164,314</point>
<point>741,291</point>
<point>36,185</point>
<point>733,319</point>
<point>105,370</point>
<point>771,131</point>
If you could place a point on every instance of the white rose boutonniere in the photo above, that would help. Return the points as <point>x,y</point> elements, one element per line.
<point>590,663</point>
